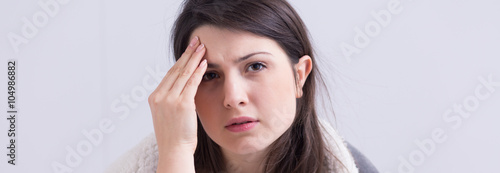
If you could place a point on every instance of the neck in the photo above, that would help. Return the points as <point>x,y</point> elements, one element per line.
<point>251,162</point>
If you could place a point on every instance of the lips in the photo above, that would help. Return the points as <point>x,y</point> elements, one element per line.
<point>241,124</point>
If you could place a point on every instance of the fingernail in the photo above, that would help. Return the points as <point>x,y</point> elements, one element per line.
<point>193,41</point>
<point>200,47</point>
<point>203,63</point>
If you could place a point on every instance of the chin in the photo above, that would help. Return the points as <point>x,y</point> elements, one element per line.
<point>246,146</point>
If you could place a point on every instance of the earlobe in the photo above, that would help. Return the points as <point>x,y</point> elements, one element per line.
<point>303,69</point>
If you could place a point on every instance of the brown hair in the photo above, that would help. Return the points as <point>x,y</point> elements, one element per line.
<point>302,148</point>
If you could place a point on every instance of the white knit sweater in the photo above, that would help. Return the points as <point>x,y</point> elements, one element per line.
<point>143,158</point>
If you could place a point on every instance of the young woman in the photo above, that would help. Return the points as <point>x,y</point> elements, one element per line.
<point>241,97</point>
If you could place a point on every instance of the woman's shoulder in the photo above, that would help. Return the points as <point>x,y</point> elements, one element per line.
<point>362,162</point>
<point>350,157</point>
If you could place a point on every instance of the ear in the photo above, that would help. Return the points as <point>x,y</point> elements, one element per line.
<point>303,69</point>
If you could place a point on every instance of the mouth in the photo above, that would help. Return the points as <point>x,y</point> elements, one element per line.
<point>241,124</point>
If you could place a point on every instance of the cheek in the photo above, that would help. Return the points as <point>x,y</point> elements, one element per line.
<point>282,85</point>
<point>277,99</point>
<point>205,106</point>
<point>204,98</point>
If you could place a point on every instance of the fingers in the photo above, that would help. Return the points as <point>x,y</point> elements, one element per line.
<point>188,70</point>
<point>192,85</point>
<point>181,62</point>
<point>178,68</point>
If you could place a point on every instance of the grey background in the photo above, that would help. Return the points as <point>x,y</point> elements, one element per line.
<point>90,57</point>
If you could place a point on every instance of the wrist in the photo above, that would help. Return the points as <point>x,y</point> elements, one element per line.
<point>178,159</point>
<point>176,149</point>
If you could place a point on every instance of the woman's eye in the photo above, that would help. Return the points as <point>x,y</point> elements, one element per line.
<point>210,76</point>
<point>256,67</point>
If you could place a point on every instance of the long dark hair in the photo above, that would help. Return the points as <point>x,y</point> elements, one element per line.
<point>302,148</point>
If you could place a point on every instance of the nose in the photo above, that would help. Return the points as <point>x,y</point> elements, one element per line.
<point>235,95</point>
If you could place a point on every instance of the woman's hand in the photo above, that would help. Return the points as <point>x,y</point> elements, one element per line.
<point>173,109</point>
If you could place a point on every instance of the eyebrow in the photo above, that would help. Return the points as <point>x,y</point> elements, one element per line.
<point>210,65</point>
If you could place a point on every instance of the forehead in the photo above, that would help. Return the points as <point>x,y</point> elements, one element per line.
<point>231,44</point>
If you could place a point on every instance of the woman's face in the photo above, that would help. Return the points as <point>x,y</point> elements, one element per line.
<point>249,80</point>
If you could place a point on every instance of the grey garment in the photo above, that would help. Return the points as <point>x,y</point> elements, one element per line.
<point>364,165</point>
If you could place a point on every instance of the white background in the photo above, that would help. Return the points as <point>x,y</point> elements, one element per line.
<point>79,67</point>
